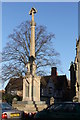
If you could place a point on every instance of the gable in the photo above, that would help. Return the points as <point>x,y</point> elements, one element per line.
<point>50,83</point>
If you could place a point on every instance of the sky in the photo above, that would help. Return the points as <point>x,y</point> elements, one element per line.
<point>79,19</point>
<point>60,18</point>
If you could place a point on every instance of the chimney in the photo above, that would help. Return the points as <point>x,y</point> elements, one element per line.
<point>54,71</point>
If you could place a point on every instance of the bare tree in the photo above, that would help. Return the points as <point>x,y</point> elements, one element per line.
<point>16,53</point>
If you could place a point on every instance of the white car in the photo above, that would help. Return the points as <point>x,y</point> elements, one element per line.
<point>7,112</point>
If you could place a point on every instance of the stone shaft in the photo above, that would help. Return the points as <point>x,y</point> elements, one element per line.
<point>32,41</point>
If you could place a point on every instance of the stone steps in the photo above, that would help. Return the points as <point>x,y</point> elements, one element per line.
<point>30,106</point>
<point>41,107</point>
<point>27,110</point>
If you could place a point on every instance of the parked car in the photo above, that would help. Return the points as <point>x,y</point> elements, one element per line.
<point>66,110</point>
<point>7,112</point>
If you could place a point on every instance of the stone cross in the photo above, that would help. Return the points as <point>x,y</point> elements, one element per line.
<point>32,41</point>
<point>31,82</point>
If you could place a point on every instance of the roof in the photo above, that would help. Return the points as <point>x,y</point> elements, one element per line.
<point>2,91</point>
<point>16,83</point>
<point>59,81</point>
<point>44,80</point>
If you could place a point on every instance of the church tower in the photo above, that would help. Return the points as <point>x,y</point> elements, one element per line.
<point>77,62</point>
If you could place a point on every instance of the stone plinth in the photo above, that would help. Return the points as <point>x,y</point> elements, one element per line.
<point>31,88</point>
<point>30,106</point>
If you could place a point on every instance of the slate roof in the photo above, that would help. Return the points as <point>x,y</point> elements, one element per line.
<point>60,81</point>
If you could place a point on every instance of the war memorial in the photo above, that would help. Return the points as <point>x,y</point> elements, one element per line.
<point>31,82</point>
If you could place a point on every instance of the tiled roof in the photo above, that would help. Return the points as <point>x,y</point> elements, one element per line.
<point>44,80</point>
<point>59,81</point>
<point>15,83</point>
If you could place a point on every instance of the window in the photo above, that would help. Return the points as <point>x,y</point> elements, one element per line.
<point>70,108</point>
<point>42,92</point>
<point>6,106</point>
<point>50,90</point>
<point>59,107</point>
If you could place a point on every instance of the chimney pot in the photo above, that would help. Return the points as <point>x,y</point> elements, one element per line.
<point>54,71</point>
